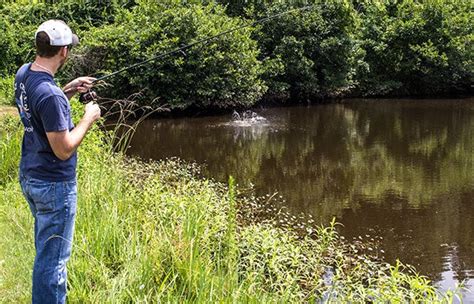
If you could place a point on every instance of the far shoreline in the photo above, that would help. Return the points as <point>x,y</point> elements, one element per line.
<point>193,112</point>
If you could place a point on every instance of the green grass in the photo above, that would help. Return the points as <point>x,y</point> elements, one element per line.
<point>6,90</point>
<point>156,232</point>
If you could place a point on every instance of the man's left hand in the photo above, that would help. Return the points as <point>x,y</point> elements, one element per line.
<point>78,85</point>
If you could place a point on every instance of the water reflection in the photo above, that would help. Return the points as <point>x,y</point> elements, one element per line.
<point>402,170</point>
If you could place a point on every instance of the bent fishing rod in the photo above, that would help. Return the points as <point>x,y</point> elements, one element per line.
<point>92,95</point>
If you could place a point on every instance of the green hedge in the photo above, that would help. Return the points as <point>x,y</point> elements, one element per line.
<point>314,49</point>
<point>339,48</point>
<point>222,73</point>
<point>417,48</point>
<point>16,45</point>
<point>20,20</point>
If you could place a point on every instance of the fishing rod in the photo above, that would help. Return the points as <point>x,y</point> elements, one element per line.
<point>92,95</point>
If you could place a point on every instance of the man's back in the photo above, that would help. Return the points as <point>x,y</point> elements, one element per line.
<point>43,108</point>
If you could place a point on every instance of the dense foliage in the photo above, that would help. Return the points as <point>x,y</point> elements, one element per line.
<point>309,54</point>
<point>223,72</point>
<point>417,48</point>
<point>334,48</point>
<point>19,22</point>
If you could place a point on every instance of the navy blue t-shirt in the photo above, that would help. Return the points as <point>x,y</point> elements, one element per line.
<point>43,107</point>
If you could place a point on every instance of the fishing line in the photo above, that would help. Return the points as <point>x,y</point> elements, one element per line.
<point>91,95</point>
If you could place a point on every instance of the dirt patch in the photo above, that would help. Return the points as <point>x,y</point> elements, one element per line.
<point>7,110</point>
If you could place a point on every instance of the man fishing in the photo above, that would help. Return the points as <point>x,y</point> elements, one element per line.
<point>48,157</point>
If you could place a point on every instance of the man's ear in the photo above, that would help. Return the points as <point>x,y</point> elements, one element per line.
<point>64,51</point>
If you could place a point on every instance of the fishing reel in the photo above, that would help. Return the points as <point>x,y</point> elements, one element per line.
<point>88,97</point>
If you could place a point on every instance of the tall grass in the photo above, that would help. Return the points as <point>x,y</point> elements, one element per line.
<point>10,145</point>
<point>6,90</point>
<point>156,232</point>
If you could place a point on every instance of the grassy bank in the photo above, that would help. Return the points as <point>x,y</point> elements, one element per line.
<point>156,232</point>
<point>6,92</point>
<point>7,110</point>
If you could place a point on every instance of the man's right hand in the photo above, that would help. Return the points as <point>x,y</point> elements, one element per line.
<point>92,111</point>
<point>64,143</point>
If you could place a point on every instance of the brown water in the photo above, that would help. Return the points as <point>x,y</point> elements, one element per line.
<point>402,170</point>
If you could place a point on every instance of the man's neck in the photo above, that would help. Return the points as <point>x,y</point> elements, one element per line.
<point>45,65</point>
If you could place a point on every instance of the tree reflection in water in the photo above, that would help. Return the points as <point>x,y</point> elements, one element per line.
<point>402,170</point>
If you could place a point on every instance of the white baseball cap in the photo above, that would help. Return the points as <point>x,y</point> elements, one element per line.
<point>58,32</point>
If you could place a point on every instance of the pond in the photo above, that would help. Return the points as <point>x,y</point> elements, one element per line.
<point>399,171</point>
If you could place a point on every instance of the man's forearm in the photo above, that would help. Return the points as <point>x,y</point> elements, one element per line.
<point>78,133</point>
<point>65,143</point>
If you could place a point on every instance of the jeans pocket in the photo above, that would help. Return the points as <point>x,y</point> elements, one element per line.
<point>42,194</point>
<point>69,196</point>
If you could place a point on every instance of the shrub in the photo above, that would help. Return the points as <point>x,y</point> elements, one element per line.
<point>16,47</point>
<point>417,48</point>
<point>308,53</point>
<point>337,48</point>
<point>20,21</point>
<point>221,73</point>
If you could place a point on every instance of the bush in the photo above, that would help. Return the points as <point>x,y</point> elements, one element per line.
<point>417,48</point>
<point>221,73</point>
<point>308,53</point>
<point>338,48</point>
<point>16,47</point>
<point>20,21</point>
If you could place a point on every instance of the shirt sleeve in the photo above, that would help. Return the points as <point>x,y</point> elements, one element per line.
<point>53,112</point>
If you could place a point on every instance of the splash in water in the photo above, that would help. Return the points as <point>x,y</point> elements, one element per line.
<point>247,118</point>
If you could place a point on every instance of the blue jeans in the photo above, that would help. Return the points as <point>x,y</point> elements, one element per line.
<point>53,205</point>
